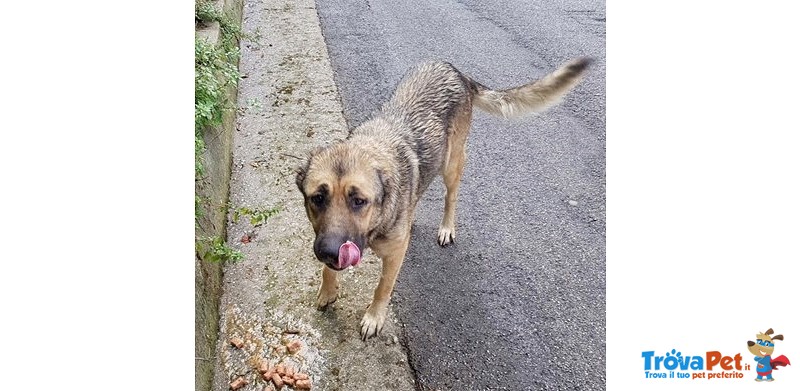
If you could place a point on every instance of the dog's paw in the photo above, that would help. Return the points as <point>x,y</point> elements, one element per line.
<point>326,297</point>
<point>447,235</point>
<point>373,320</point>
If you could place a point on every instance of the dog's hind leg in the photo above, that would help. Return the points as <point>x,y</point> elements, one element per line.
<point>451,173</point>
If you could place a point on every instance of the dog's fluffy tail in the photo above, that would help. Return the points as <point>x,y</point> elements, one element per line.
<point>534,97</point>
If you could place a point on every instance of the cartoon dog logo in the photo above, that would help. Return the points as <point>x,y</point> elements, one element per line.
<point>762,349</point>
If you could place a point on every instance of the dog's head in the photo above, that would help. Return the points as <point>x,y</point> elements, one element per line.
<point>764,345</point>
<point>344,195</point>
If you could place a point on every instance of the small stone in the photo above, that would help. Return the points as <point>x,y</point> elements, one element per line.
<point>573,202</point>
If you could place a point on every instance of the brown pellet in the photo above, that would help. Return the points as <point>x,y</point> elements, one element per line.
<point>264,366</point>
<point>277,380</point>
<point>288,380</point>
<point>268,374</point>
<point>300,376</point>
<point>303,385</point>
<point>238,383</point>
<point>238,342</point>
<point>294,346</point>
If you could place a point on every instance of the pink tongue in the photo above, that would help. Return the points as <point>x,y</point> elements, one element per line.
<point>349,255</point>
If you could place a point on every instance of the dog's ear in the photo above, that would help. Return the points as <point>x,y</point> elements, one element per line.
<point>302,169</point>
<point>382,183</point>
<point>779,336</point>
<point>387,191</point>
<point>768,332</point>
<point>300,174</point>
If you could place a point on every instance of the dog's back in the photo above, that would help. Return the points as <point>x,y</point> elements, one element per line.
<point>416,119</point>
<point>419,117</point>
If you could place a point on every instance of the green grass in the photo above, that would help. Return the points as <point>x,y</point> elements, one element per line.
<point>216,70</point>
<point>257,216</point>
<point>214,249</point>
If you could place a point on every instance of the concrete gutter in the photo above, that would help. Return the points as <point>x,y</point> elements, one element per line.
<point>288,103</point>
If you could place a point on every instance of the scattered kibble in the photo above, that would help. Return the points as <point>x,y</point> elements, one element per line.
<point>238,383</point>
<point>277,380</point>
<point>303,384</point>
<point>264,367</point>
<point>294,346</point>
<point>238,342</point>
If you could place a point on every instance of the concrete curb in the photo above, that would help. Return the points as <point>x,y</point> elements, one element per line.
<point>214,188</point>
<point>288,103</point>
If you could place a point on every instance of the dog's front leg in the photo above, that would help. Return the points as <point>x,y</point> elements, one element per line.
<point>392,254</point>
<point>328,290</point>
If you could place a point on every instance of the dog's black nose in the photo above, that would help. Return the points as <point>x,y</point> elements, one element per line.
<point>327,249</point>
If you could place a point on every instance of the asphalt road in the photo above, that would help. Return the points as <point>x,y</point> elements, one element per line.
<point>519,301</point>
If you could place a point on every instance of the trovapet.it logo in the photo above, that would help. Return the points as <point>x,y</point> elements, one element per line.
<point>715,364</point>
<point>676,365</point>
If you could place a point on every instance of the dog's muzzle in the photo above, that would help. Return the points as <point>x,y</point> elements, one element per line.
<point>336,253</point>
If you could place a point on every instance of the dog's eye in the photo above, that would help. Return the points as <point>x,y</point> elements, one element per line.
<point>318,199</point>
<point>359,201</point>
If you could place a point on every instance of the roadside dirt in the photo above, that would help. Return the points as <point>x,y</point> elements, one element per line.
<point>287,104</point>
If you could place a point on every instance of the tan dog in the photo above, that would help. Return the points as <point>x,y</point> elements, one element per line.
<point>362,192</point>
